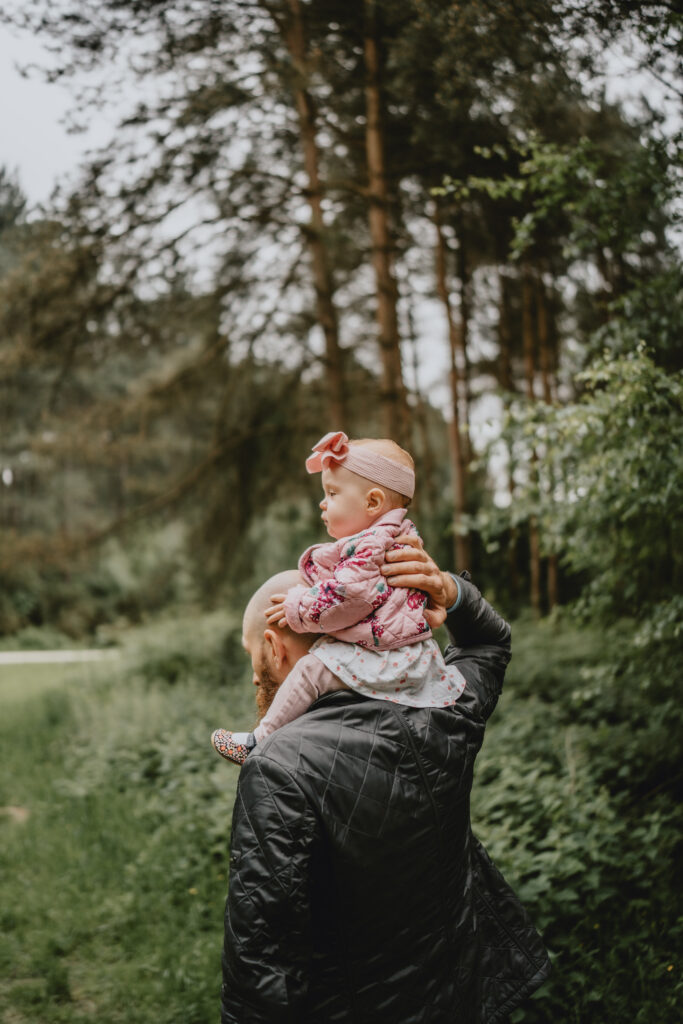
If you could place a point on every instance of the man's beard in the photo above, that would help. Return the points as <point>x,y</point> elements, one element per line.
<point>265,691</point>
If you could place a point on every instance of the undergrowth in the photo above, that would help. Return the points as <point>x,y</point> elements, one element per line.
<point>116,823</point>
<point>115,830</point>
<point>577,798</point>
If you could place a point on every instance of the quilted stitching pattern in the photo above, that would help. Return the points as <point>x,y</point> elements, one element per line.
<point>357,892</point>
<point>349,598</point>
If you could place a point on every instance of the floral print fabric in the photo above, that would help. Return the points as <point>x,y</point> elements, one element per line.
<point>415,675</point>
<point>349,598</point>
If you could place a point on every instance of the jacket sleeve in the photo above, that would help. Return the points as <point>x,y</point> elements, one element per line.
<point>267,945</point>
<point>352,592</point>
<point>480,647</point>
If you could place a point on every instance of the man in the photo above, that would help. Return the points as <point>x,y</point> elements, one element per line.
<point>358,893</point>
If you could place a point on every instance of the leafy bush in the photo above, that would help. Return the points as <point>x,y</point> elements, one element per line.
<point>72,603</point>
<point>580,784</point>
<point>206,652</point>
<point>34,638</point>
<point>121,584</point>
<point>578,800</point>
<point>122,861</point>
<point>112,889</point>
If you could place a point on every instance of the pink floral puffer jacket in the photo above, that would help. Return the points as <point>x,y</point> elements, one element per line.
<point>350,599</point>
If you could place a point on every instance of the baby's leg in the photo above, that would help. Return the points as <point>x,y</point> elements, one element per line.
<point>307,681</point>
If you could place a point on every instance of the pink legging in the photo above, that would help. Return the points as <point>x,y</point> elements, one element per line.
<point>307,681</point>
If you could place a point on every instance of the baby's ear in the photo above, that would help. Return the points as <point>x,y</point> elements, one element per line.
<point>374,500</point>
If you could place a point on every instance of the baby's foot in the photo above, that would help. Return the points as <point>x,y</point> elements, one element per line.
<point>233,746</point>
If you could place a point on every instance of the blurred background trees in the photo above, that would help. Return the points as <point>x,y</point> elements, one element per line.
<point>273,209</point>
<point>243,268</point>
<point>310,211</point>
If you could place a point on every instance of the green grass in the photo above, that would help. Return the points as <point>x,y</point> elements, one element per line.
<point>116,821</point>
<point>23,683</point>
<point>112,871</point>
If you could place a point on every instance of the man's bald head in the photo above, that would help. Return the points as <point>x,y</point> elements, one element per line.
<point>254,622</point>
<point>274,650</point>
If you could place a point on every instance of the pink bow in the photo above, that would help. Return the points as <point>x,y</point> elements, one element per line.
<point>331,446</point>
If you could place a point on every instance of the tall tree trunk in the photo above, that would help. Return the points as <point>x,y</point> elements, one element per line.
<point>462,338</point>
<point>292,31</point>
<point>553,344</point>
<point>544,354</point>
<point>508,385</point>
<point>529,376</point>
<point>393,392</point>
<point>528,346</point>
<point>461,543</point>
<point>425,494</point>
<point>545,362</point>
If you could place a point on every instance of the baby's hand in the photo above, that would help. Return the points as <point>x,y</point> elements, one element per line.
<point>276,615</point>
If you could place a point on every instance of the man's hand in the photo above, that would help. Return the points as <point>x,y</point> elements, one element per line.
<point>276,616</point>
<point>411,566</point>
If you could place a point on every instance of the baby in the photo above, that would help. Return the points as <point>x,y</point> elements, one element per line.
<point>376,639</point>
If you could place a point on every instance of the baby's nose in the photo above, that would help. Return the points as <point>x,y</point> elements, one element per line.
<point>323,504</point>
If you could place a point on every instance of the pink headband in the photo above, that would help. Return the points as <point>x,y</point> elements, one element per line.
<point>335,447</point>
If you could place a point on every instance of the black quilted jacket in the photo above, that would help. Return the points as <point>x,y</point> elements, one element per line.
<point>358,893</point>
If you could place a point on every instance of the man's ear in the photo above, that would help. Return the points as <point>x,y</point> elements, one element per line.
<point>374,500</point>
<point>275,646</point>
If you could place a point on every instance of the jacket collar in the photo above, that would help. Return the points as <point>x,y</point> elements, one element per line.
<point>394,517</point>
<point>338,697</point>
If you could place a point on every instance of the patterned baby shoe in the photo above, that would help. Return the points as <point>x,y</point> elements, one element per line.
<point>233,746</point>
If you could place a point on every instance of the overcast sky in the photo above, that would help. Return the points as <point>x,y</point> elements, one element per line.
<point>33,139</point>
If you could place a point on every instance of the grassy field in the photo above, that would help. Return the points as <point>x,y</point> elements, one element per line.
<point>115,825</point>
<point>21,684</point>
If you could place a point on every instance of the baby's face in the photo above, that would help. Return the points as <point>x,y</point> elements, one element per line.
<point>344,507</point>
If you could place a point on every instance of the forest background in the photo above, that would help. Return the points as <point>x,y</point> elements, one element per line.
<point>306,206</point>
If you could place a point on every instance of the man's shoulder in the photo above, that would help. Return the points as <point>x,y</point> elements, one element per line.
<point>343,761</point>
<point>340,720</point>
<point>351,735</point>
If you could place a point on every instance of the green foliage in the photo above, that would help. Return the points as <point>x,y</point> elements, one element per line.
<point>160,323</point>
<point>652,308</point>
<point>610,484</point>
<point>578,800</point>
<point>36,638</point>
<point>594,841</point>
<point>611,199</point>
<point>12,208</point>
<point>598,195</point>
<point>78,600</point>
<point>113,879</point>
<point>188,658</point>
<point>72,604</point>
<point>112,888</point>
